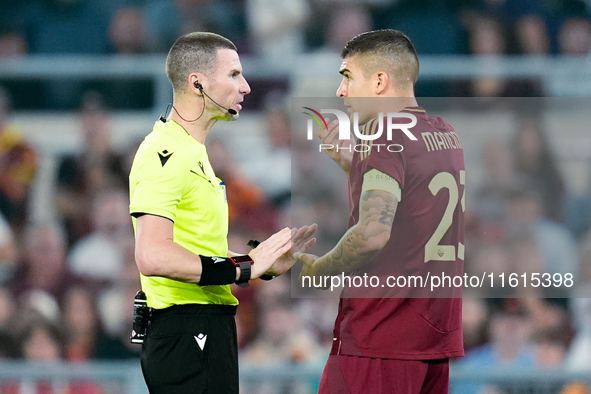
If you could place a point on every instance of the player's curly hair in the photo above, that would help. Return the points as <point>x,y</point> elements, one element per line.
<point>193,52</point>
<point>389,50</point>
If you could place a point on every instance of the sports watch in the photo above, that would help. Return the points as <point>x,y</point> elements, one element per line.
<point>253,243</point>
<point>244,263</point>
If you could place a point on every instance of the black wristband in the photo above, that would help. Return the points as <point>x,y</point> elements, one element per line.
<point>253,243</point>
<point>217,271</point>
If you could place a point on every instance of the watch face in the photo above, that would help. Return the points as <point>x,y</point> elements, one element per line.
<point>242,259</point>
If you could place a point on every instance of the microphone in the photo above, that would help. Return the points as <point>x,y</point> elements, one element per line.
<point>230,110</point>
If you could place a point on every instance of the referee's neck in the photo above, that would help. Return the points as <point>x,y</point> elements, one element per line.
<point>191,117</point>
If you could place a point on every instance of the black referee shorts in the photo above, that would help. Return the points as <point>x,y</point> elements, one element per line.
<point>191,349</point>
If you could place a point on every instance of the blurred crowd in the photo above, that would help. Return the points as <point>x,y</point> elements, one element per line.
<point>523,218</point>
<point>271,29</point>
<point>279,31</point>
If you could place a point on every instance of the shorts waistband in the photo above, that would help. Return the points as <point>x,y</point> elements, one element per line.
<point>195,309</point>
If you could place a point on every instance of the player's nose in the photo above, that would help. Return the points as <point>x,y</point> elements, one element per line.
<point>342,90</point>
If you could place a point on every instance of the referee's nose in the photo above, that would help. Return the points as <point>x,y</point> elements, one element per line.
<point>244,86</point>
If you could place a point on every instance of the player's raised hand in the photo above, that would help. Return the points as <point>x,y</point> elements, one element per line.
<point>308,260</point>
<point>341,151</point>
<point>309,268</point>
<point>268,251</point>
<point>301,241</point>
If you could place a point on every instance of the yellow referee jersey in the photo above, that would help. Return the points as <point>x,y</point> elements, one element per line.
<point>171,177</point>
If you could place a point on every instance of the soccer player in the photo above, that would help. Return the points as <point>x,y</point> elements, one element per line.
<point>407,214</point>
<point>180,217</point>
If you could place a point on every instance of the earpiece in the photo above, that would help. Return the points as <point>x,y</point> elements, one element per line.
<point>198,86</point>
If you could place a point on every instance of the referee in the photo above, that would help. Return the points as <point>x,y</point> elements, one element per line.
<point>180,217</point>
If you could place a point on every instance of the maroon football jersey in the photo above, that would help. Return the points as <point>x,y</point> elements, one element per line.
<point>427,238</point>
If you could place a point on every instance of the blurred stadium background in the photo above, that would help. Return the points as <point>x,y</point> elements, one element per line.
<point>82,81</point>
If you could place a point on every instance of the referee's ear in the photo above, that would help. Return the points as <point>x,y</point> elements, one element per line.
<point>195,81</point>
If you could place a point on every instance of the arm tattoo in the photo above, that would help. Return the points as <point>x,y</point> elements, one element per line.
<point>387,215</point>
<point>364,240</point>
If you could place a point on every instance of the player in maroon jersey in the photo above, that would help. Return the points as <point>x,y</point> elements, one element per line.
<point>407,218</point>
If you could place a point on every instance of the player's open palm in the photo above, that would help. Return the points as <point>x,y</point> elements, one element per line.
<point>301,241</point>
<point>341,151</point>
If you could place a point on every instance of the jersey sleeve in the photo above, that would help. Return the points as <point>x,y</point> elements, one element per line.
<point>385,155</point>
<point>157,183</point>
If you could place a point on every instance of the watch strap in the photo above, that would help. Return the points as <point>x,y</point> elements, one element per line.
<point>245,269</point>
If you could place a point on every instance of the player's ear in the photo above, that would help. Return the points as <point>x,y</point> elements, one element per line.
<point>382,80</point>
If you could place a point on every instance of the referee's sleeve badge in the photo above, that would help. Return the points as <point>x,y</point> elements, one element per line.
<point>164,156</point>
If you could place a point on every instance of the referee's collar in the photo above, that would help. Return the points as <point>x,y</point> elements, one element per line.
<point>177,129</point>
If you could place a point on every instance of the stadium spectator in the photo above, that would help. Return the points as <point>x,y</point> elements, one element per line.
<point>7,309</point>
<point>76,26</point>
<point>128,31</point>
<point>487,37</point>
<point>549,240</point>
<point>247,205</point>
<point>576,388</point>
<point>283,341</point>
<point>534,160</point>
<point>8,251</point>
<point>509,346</point>
<point>85,338</point>
<point>574,37</point>
<point>434,26</point>
<point>94,168</point>
<point>318,316</point>
<point>44,269</point>
<point>18,166</point>
<point>276,28</point>
<point>345,22</point>
<point>100,255</point>
<point>169,19</point>
<point>532,35</point>
<point>550,348</point>
<point>510,336</point>
<point>8,329</point>
<point>116,313</point>
<point>474,322</point>
<point>492,197</point>
<point>275,180</point>
<point>12,45</point>
<point>42,341</point>
<point>522,23</point>
<point>579,353</point>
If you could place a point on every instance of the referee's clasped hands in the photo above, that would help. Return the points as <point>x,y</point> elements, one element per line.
<point>274,256</point>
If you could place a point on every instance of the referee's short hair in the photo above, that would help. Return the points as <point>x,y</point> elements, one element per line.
<point>193,52</point>
<point>386,50</point>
